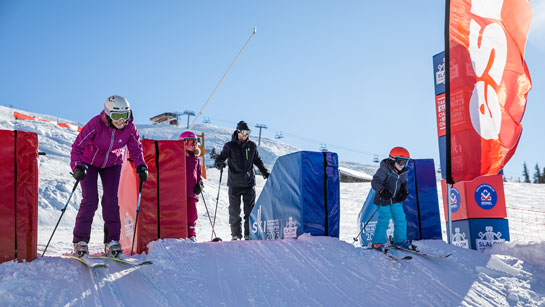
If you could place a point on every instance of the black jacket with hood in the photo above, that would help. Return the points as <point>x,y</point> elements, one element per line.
<point>389,178</point>
<point>241,159</point>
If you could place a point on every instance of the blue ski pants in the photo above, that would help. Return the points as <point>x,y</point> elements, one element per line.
<point>385,213</point>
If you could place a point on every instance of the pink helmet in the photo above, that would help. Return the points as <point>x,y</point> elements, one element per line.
<point>188,135</point>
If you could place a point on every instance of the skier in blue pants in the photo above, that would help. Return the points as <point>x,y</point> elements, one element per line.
<point>390,183</point>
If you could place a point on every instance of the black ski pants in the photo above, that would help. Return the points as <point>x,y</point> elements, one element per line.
<point>248,197</point>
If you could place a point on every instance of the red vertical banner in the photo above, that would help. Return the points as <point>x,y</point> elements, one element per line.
<point>163,203</point>
<point>487,84</point>
<point>18,195</point>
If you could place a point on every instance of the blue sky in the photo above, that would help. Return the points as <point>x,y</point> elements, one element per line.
<point>354,75</point>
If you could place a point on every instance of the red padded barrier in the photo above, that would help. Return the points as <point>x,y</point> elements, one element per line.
<point>163,205</point>
<point>18,208</point>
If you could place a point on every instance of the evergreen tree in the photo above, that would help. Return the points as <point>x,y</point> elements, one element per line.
<point>525,173</point>
<point>543,176</point>
<point>537,175</point>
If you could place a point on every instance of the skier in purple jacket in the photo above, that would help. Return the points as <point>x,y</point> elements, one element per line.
<point>97,151</point>
<point>193,170</point>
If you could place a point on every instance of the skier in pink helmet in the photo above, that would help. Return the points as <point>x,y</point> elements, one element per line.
<point>195,185</point>
<point>97,151</point>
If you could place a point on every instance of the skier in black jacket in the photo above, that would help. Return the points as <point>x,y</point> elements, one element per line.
<point>242,155</point>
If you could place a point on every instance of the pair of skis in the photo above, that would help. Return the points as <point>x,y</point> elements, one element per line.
<point>386,251</point>
<point>93,262</point>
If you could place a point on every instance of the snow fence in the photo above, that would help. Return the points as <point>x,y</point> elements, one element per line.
<point>302,195</point>
<point>18,195</point>
<point>163,203</point>
<point>421,206</point>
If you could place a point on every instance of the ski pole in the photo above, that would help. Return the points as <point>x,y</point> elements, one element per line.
<point>62,213</point>
<point>137,211</point>
<point>209,218</point>
<point>363,228</point>
<point>217,199</point>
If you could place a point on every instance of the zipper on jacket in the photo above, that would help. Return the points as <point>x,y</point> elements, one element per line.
<point>109,149</point>
<point>395,191</point>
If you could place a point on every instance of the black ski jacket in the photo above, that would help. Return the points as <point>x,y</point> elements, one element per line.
<point>387,177</point>
<point>241,159</point>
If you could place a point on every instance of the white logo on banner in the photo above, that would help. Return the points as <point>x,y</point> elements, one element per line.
<point>290,231</point>
<point>488,239</point>
<point>485,112</point>
<point>459,239</point>
<point>257,225</point>
<point>128,226</point>
<point>440,74</point>
<point>272,229</point>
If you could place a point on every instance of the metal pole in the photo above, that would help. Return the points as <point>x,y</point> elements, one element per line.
<point>449,230</point>
<point>219,83</point>
<point>63,209</point>
<point>363,228</point>
<point>137,211</point>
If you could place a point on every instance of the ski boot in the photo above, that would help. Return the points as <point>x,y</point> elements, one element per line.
<point>81,249</point>
<point>112,249</point>
<point>378,246</point>
<point>405,245</point>
<point>235,238</point>
<point>193,238</point>
<point>246,237</point>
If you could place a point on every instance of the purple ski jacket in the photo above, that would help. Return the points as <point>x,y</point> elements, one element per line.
<point>193,172</point>
<point>102,146</point>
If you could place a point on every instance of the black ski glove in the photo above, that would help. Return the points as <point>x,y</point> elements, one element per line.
<point>402,195</point>
<point>198,187</point>
<point>385,194</point>
<point>220,164</point>
<point>142,172</point>
<point>80,172</point>
<point>266,175</point>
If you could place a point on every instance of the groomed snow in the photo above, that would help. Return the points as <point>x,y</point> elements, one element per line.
<point>309,271</point>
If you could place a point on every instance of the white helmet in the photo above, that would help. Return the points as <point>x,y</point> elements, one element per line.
<point>116,104</point>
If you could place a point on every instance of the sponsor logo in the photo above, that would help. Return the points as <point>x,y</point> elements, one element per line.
<point>290,231</point>
<point>440,73</point>
<point>488,239</point>
<point>459,238</point>
<point>270,228</point>
<point>128,226</point>
<point>257,225</point>
<point>454,200</point>
<point>486,197</point>
<point>488,52</point>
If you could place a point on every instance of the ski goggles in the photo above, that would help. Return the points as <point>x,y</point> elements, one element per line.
<point>119,116</point>
<point>401,161</point>
<point>245,132</point>
<point>190,142</point>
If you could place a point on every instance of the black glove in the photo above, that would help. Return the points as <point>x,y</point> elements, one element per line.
<point>198,187</point>
<point>385,194</point>
<point>402,195</point>
<point>220,164</point>
<point>80,172</point>
<point>142,172</point>
<point>266,175</point>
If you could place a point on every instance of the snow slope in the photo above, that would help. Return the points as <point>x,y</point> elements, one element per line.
<point>309,271</point>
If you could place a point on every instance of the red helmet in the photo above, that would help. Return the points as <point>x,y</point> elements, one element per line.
<point>399,152</point>
<point>188,135</point>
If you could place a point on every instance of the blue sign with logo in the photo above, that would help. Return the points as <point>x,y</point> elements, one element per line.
<point>486,197</point>
<point>439,73</point>
<point>454,199</point>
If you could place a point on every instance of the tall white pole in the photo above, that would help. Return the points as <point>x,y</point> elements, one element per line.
<point>219,83</point>
<point>449,210</point>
